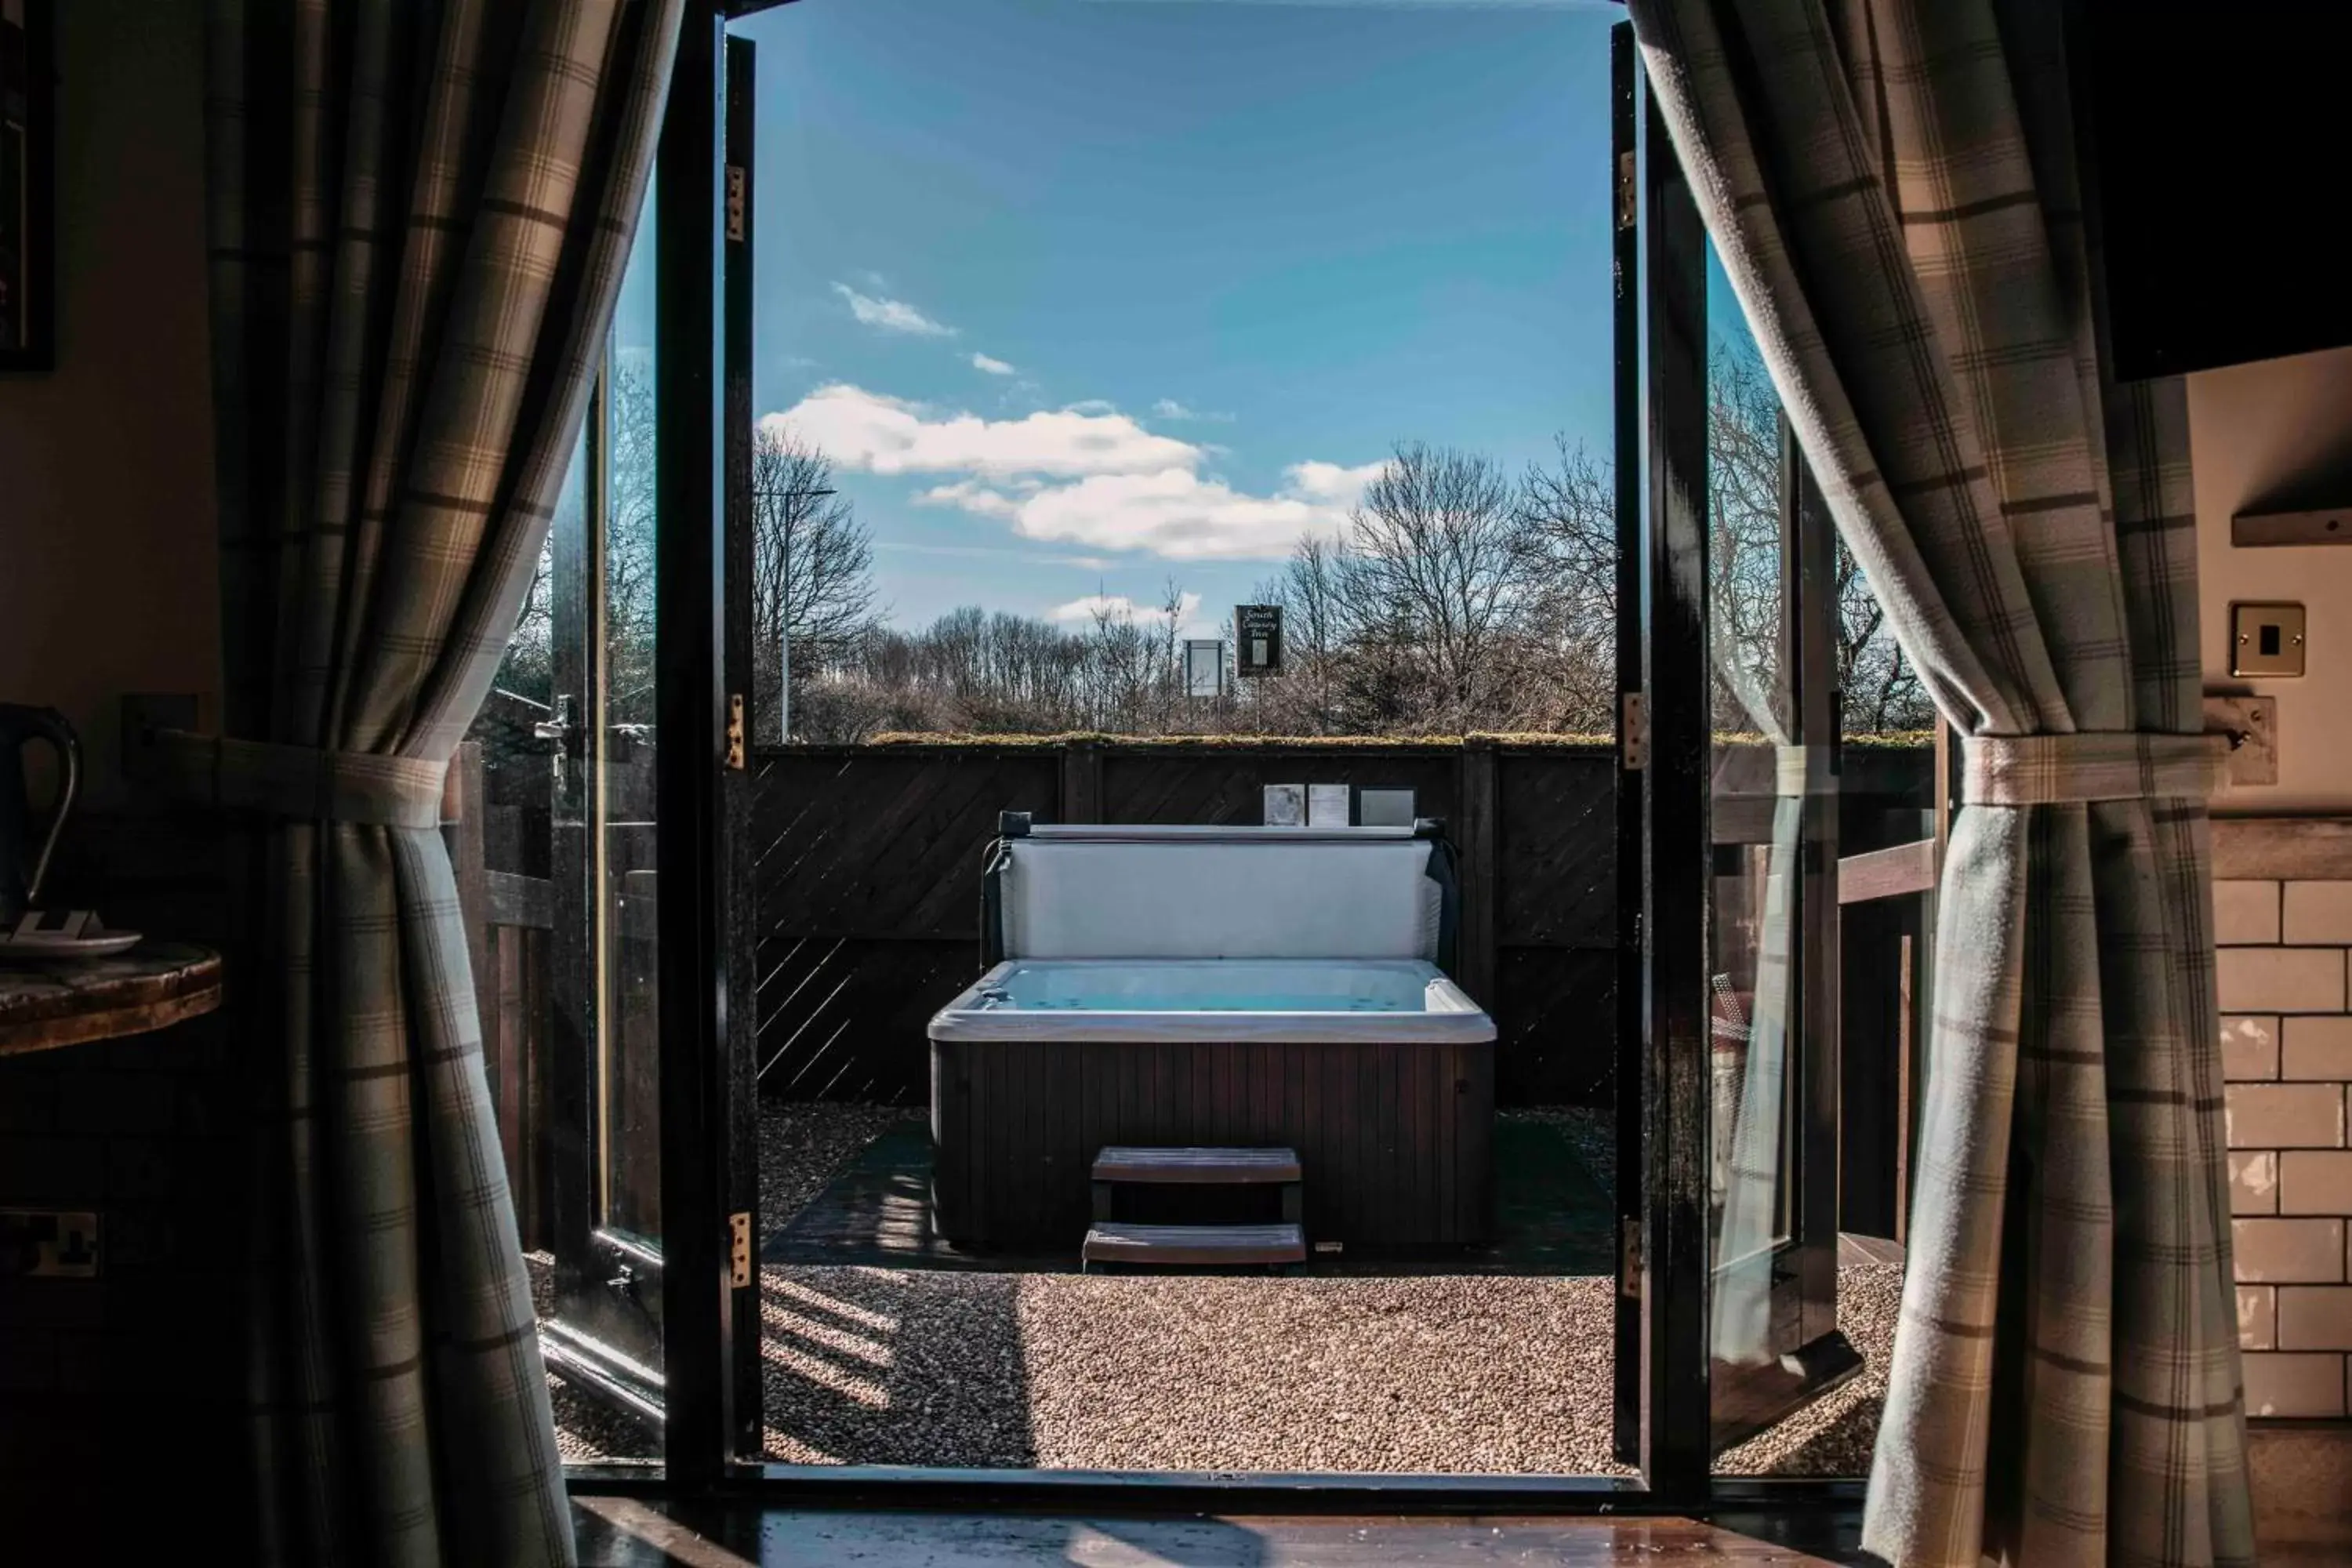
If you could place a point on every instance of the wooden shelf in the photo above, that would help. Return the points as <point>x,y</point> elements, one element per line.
<point>46,1003</point>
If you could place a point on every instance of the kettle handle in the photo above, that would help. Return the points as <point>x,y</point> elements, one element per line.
<point>60,734</point>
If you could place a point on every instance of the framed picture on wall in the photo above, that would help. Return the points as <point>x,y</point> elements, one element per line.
<point>28,201</point>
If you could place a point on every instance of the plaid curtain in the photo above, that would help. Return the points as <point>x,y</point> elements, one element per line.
<point>419,216</point>
<point>1891,185</point>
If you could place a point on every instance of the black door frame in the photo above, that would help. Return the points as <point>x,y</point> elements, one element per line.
<point>704,1143</point>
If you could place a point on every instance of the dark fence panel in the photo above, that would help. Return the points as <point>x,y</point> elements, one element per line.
<point>868,860</point>
<point>866,871</point>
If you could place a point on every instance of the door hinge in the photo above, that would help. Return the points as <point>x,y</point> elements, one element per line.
<point>1633,731</point>
<point>1628,207</point>
<point>739,1246</point>
<point>1629,1266</point>
<point>738,202</point>
<point>735,731</point>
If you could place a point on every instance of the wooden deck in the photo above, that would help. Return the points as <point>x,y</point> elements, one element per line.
<point>626,1533</point>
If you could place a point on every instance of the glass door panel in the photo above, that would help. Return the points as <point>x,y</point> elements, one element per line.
<point>1773,768</point>
<point>605,1338</point>
<point>1728,811</point>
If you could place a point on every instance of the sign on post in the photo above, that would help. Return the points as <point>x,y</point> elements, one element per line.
<point>1257,639</point>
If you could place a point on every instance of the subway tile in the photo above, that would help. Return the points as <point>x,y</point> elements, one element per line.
<point>2315,1182</point>
<point>2281,979</point>
<point>2249,1049</point>
<point>2307,1384</point>
<point>2254,1180</point>
<point>2289,1251</point>
<point>2257,1317</point>
<point>2313,1049</point>
<point>2315,1318</point>
<point>2245,912</point>
<point>2318,911</point>
<point>2284,1115</point>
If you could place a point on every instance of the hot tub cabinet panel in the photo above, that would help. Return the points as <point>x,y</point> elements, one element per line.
<point>1394,1136</point>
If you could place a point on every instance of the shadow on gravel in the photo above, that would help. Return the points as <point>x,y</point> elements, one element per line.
<point>875,1366</point>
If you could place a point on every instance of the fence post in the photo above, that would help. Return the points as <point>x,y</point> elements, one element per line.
<point>465,827</point>
<point>1082,779</point>
<point>1474,838</point>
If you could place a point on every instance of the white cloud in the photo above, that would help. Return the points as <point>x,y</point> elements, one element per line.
<point>861,429</point>
<point>1173,512</point>
<point>1330,483</point>
<point>1121,607</point>
<point>891,315</point>
<point>992,366</point>
<point>1086,475</point>
<point>1168,408</point>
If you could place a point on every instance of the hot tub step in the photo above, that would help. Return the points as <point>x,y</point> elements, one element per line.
<point>1204,1167</point>
<point>1112,1242</point>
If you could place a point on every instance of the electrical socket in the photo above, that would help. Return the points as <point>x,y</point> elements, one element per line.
<point>56,1243</point>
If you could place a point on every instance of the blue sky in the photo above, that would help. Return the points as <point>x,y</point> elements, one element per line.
<point>1085,294</point>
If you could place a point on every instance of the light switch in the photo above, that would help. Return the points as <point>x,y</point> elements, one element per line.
<point>2266,639</point>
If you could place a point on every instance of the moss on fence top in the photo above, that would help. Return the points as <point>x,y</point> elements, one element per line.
<point>1335,742</point>
<point>1891,740</point>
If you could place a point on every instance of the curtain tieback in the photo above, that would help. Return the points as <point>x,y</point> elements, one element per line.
<point>2058,769</point>
<point>304,782</point>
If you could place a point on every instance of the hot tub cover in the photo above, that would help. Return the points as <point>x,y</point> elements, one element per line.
<point>1140,891</point>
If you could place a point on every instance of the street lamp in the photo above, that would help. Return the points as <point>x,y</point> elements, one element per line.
<point>783,616</point>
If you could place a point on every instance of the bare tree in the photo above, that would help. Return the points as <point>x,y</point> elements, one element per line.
<point>630,534</point>
<point>1568,532</point>
<point>1437,573</point>
<point>1305,697</point>
<point>812,566</point>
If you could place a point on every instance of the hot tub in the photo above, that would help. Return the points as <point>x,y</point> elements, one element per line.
<point>1287,992</point>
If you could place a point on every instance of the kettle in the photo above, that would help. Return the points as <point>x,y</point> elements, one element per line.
<point>21,866</point>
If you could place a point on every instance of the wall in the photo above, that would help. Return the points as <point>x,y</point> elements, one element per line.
<point>107,586</point>
<point>2279,434</point>
<point>108,582</point>
<point>2286,1042</point>
<point>2263,435</point>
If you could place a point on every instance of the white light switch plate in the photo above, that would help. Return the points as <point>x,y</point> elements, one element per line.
<point>2254,758</point>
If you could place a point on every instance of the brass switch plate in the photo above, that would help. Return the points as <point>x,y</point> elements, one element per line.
<point>2267,639</point>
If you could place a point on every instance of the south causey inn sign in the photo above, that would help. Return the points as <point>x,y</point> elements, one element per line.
<point>1257,639</point>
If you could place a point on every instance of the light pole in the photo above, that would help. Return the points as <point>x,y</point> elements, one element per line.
<point>792,499</point>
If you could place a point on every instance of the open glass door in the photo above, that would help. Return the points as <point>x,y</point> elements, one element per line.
<point>1774,776</point>
<point>604,1336</point>
<point>1727,809</point>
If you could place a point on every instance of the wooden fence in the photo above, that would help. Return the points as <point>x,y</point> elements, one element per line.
<point>867,866</point>
<point>495,821</point>
<point>868,863</point>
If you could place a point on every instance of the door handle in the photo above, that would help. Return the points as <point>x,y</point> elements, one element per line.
<point>557,725</point>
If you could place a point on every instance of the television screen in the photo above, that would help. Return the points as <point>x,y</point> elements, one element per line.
<point>2218,150</point>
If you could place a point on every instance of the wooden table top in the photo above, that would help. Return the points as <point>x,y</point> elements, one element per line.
<point>48,1004</point>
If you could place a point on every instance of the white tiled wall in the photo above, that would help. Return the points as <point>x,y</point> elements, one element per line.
<point>2286,1050</point>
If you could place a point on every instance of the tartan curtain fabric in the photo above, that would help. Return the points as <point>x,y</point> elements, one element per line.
<point>1891,187</point>
<point>419,217</point>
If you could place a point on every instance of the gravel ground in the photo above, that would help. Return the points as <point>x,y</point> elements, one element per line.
<point>1459,1374</point>
<point>804,1145</point>
<point>1456,1373</point>
<point>802,1148</point>
<point>1832,1437</point>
